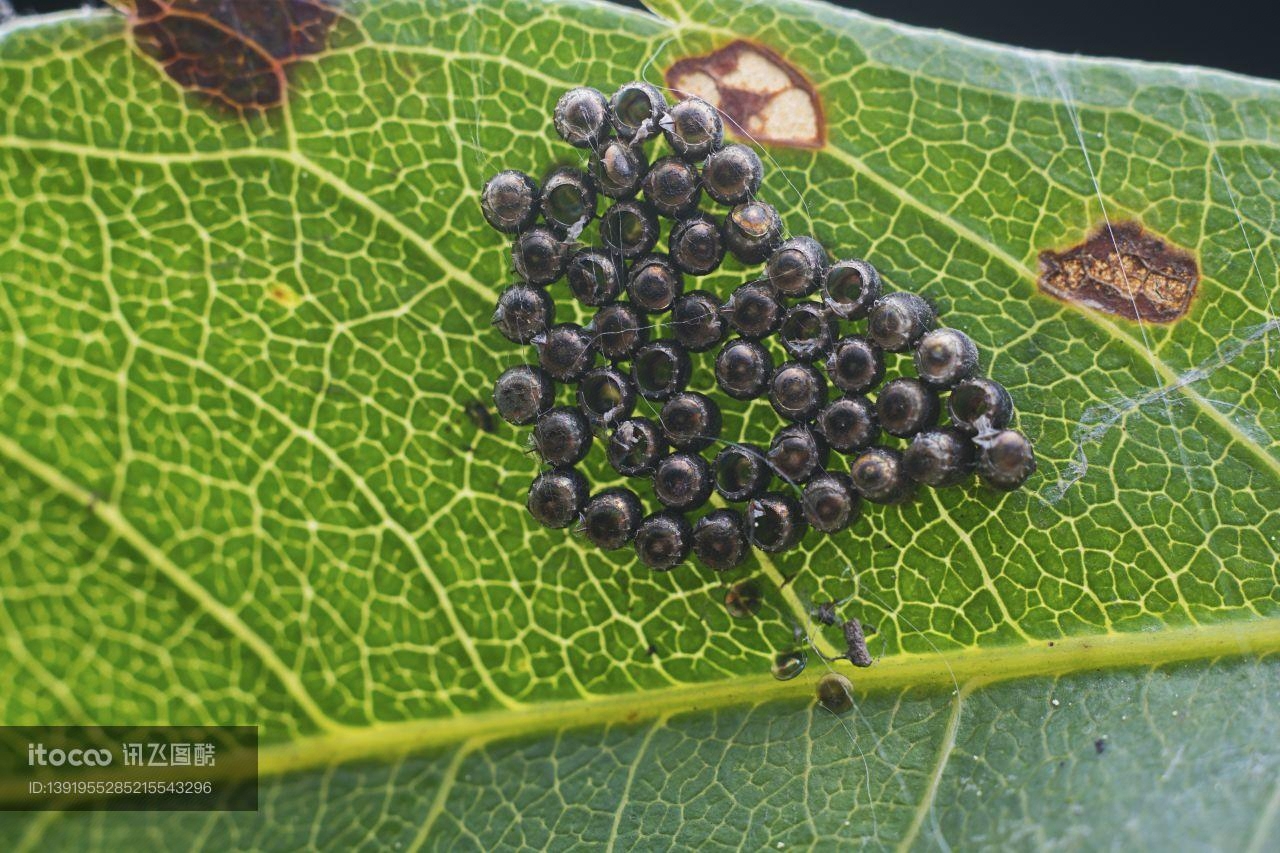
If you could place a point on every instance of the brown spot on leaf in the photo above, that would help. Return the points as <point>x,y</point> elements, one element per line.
<point>237,51</point>
<point>762,95</point>
<point>283,294</point>
<point>1124,270</point>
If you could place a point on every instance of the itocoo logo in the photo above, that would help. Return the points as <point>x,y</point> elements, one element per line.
<point>39,755</point>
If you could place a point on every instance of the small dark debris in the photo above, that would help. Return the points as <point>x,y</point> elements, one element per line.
<point>1051,644</point>
<point>651,650</point>
<point>743,599</point>
<point>480,415</point>
<point>1100,745</point>
<point>856,643</point>
<point>825,613</point>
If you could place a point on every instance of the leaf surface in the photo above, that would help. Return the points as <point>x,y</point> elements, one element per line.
<point>240,483</point>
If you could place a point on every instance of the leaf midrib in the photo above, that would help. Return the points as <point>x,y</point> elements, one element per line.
<point>963,672</point>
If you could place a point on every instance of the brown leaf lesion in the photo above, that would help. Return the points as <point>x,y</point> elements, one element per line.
<point>235,51</point>
<point>763,96</point>
<point>1123,269</point>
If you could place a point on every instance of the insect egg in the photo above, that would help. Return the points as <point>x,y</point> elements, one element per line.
<point>775,522</point>
<point>629,228</point>
<point>672,187</point>
<point>582,117</point>
<point>539,255</point>
<point>741,472</point>
<point>830,504</point>
<point>906,406</point>
<point>556,497</point>
<point>690,421</point>
<point>980,402</point>
<point>796,454</point>
<point>610,518</point>
<point>682,481</point>
<point>695,245</point>
<point>806,331</point>
<point>523,312</point>
<point>797,391</point>
<point>835,693</point>
<point>718,540</point>
<point>637,108</point>
<point>733,174</point>
<point>510,201</point>
<point>797,267</point>
<point>635,447</point>
<point>944,357</point>
<point>753,310</point>
<point>693,129</point>
<point>752,231</point>
<point>660,369</point>
<point>562,436</point>
<point>696,321</point>
<point>568,200</point>
<point>618,169</point>
<point>849,424</point>
<point>594,277</point>
<point>898,320</point>
<point>855,365</point>
<point>606,396</point>
<point>619,329</point>
<point>1005,459</point>
<point>939,457</point>
<point>663,540</point>
<point>566,351</point>
<point>850,288</point>
<point>522,393</point>
<point>743,369</point>
<point>878,476</point>
<point>654,283</point>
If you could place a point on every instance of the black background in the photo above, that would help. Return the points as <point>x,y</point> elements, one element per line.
<point>1238,35</point>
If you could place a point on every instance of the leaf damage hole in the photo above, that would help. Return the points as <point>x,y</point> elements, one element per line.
<point>762,95</point>
<point>1123,269</point>
<point>235,51</point>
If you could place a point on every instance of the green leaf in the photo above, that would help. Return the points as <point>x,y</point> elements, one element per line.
<point>240,484</point>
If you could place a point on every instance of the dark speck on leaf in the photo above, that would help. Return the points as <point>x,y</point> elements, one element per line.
<point>651,650</point>
<point>1100,745</point>
<point>480,415</point>
<point>825,613</point>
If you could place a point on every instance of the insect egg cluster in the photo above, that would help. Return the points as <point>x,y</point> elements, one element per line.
<point>809,334</point>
